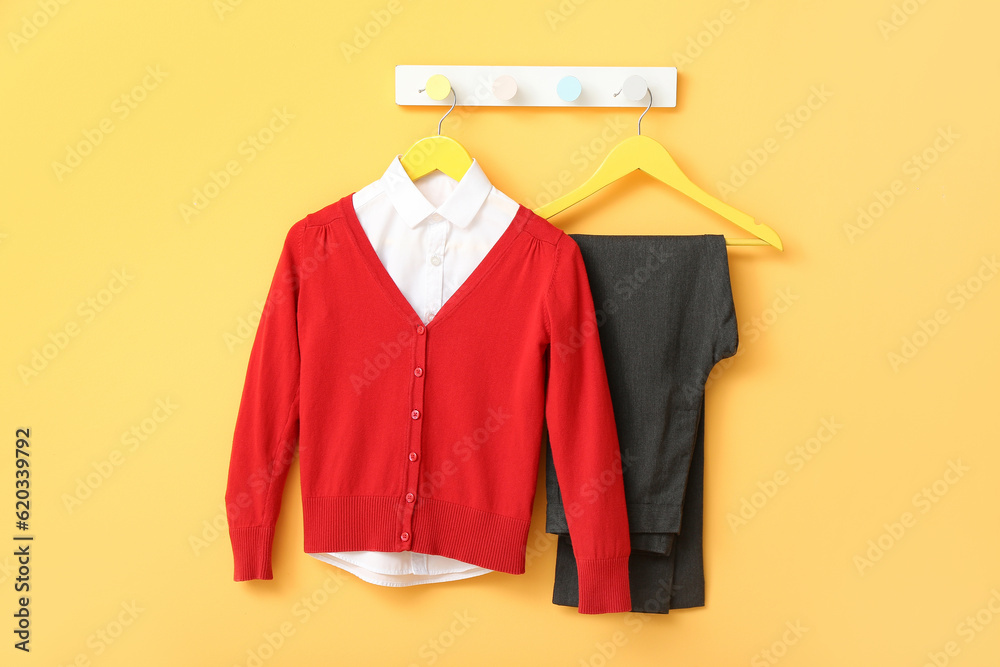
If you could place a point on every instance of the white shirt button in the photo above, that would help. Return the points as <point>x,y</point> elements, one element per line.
<point>435,260</point>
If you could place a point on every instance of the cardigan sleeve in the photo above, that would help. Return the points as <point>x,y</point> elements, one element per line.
<point>267,423</point>
<point>583,438</point>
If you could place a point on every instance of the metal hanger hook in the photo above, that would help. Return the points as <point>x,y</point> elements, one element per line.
<point>454,96</point>
<point>639,124</point>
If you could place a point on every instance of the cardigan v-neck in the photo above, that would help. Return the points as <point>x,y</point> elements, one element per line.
<point>428,438</point>
<point>392,291</point>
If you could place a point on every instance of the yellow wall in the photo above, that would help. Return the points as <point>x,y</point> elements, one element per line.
<point>118,578</point>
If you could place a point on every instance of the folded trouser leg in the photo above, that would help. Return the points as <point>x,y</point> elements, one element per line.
<point>650,579</point>
<point>689,566</point>
<point>660,543</point>
<point>658,582</point>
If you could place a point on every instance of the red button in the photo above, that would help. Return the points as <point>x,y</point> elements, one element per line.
<point>409,497</point>
<point>415,414</point>
<point>404,537</point>
<point>413,456</point>
<point>420,328</point>
<point>418,371</point>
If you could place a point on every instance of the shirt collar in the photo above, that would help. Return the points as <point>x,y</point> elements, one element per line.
<point>459,208</point>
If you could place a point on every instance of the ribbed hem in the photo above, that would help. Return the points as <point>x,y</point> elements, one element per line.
<point>252,552</point>
<point>604,585</point>
<point>467,534</point>
<point>374,523</point>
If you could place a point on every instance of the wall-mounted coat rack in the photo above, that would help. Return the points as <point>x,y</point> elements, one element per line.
<point>529,86</point>
<point>567,87</point>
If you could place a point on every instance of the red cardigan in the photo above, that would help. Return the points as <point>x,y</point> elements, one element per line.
<point>427,438</point>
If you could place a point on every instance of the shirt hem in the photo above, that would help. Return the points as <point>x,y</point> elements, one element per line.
<point>385,579</point>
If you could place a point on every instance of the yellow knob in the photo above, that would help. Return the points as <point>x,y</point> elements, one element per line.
<point>438,87</point>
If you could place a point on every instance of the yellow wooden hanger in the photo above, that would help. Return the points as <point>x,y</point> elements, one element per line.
<point>437,152</point>
<point>641,152</point>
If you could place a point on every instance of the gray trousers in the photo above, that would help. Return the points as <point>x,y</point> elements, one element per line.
<point>666,316</point>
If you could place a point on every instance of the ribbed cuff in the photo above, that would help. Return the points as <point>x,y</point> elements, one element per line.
<point>604,585</point>
<point>252,552</point>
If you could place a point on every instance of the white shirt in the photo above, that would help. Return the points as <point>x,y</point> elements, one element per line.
<point>430,235</point>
